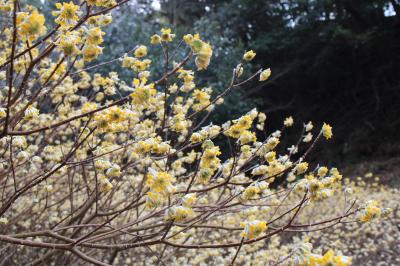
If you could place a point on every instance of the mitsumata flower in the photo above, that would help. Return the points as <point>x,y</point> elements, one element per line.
<point>93,161</point>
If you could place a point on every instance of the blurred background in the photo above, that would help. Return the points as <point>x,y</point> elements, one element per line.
<point>332,60</point>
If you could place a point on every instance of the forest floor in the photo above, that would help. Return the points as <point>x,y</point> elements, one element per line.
<point>388,170</point>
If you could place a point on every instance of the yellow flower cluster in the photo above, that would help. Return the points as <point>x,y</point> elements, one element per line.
<point>166,36</point>
<point>160,182</point>
<point>207,132</point>
<point>100,20</point>
<point>255,189</point>
<point>253,229</point>
<point>265,74</point>
<point>105,184</point>
<point>91,49</point>
<point>239,129</point>
<point>304,257</point>
<point>249,55</point>
<point>144,93</point>
<point>31,113</point>
<point>320,187</point>
<point>327,131</point>
<point>372,210</point>
<point>30,25</point>
<point>175,213</point>
<point>160,185</point>
<point>187,76</point>
<point>138,65</point>
<point>68,43</point>
<point>288,122</point>
<point>67,15</point>
<point>6,6</point>
<point>209,162</point>
<point>201,99</point>
<point>178,213</point>
<point>202,49</point>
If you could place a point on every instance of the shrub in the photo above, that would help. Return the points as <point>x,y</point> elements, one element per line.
<point>97,169</point>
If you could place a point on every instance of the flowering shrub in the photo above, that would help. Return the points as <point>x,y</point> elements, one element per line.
<point>97,169</point>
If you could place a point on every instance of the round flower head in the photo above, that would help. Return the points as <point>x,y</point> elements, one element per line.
<point>141,51</point>
<point>327,131</point>
<point>31,26</point>
<point>265,74</point>
<point>249,55</point>
<point>67,14</point>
